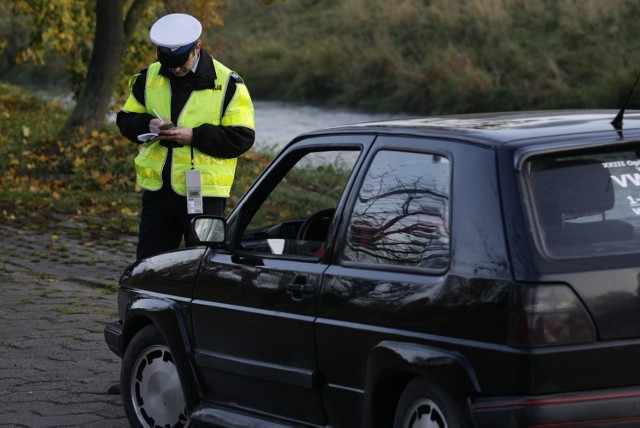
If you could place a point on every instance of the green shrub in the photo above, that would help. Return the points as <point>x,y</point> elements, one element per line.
<point>437,56</point>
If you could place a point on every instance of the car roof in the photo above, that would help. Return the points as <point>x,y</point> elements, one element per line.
<point>497,129</point>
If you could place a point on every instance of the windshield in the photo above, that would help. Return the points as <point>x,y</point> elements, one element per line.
<point>586,204</point>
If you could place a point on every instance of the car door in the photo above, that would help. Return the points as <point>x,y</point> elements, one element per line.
<point>391,283</point>
<point>255,304</point>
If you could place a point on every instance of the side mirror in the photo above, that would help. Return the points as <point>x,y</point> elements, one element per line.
<point>208,230</point>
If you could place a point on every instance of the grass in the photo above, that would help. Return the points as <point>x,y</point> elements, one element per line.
<point>71,311</point>
<point>411,56</point>
<point>83,185</point>
<point>436,56</point>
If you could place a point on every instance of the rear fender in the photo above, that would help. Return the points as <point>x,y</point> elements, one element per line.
<point>392,365</point>
<point>166,315</point>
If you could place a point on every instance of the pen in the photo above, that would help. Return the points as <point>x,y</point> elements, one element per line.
<point>166,123</point>
<point>157,115</point>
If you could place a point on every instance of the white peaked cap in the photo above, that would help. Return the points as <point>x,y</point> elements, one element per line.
<point>175,30</point>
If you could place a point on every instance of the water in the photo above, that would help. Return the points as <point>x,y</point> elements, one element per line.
<point>277,123</point>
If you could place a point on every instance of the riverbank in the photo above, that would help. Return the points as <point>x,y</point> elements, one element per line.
<point>277,122</point>
<point>434,57</point>
<point>86,184</point>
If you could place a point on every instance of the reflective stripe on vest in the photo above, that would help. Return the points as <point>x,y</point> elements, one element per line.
<point>203,106</point>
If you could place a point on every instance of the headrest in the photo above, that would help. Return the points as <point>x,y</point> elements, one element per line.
<point>572,189</point>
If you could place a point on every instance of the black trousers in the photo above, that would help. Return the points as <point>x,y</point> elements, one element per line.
<point>165,222</point>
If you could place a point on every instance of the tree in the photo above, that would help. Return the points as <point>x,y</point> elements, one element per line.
<point>112,35</point>
<point>98,38</point>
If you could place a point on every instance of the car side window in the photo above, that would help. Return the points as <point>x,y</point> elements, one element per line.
<point>294,217</point>
<point>401,216</point>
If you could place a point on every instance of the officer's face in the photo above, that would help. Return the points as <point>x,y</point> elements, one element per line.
<point>186,67</point>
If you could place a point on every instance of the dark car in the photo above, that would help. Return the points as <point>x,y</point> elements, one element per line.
<point>444,272</point>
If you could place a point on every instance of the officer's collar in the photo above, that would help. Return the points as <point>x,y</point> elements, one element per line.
<point>204,74</point>
<point>194,68</point>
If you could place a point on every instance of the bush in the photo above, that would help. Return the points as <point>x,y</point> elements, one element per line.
<point>438,56</point>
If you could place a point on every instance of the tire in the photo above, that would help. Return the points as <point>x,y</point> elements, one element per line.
<point>151,390</point>
<point>424,405</point>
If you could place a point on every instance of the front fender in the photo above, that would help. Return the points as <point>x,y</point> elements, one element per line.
<point>167,316</point>
<point>391,365</point>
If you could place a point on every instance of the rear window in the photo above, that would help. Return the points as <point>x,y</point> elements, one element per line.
<point>586,205</point>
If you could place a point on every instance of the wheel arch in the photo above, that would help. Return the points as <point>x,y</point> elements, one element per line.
<point>167,317</point>
<point>392,365</point>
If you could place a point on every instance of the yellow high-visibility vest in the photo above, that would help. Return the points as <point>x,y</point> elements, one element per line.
<point>203,106</point>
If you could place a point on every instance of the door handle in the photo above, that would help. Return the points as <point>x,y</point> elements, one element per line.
<point>299,288</point>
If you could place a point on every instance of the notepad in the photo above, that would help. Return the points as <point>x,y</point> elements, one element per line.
<point>146,137</point>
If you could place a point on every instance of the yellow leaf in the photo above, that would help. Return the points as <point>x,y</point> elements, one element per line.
<point>104,178</point>
<point>26,132</point>
<point>54,237</point>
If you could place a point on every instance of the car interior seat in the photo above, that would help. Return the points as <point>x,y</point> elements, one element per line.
<point>572,199</point>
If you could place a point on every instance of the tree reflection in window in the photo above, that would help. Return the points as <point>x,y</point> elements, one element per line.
<point>401,216</point>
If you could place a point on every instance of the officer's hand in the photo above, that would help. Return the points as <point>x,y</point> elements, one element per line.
<point>156,124</point>
<point>179,134</point>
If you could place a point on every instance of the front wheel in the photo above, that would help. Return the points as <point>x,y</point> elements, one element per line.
<point>151,390</point>
<point>424,405</point>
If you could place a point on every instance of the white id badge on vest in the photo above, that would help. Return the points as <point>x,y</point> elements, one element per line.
<point>194,192</point>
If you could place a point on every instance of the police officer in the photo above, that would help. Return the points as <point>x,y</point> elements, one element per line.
<point>192,117</point>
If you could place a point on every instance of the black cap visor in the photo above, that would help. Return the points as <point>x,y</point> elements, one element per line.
<point>170,59</point>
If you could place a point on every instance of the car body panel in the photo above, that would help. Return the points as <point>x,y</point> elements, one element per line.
<point>280,340</point>
<point>256,336</point>
<point>170,318</point>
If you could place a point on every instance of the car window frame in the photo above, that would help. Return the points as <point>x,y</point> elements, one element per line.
<point>281,165</point>
<point>406,144</point>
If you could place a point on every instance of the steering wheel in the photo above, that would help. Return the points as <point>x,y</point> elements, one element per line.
<point>314,220</point>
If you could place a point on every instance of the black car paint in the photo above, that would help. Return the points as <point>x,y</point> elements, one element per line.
<point>451,322</point>
<point>157,291</point>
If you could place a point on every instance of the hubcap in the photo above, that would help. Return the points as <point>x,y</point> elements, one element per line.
<point>156,391</point>
<point>424,413</point>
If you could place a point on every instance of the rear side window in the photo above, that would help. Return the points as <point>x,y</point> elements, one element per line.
<point>586,205</point>
<point>401,216</point>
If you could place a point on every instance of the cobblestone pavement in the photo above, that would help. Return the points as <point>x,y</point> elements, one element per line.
<point>56,294</point>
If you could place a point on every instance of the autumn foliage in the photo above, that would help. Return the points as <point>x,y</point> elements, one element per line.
<point>46,181</point>
<point>85,181</point>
